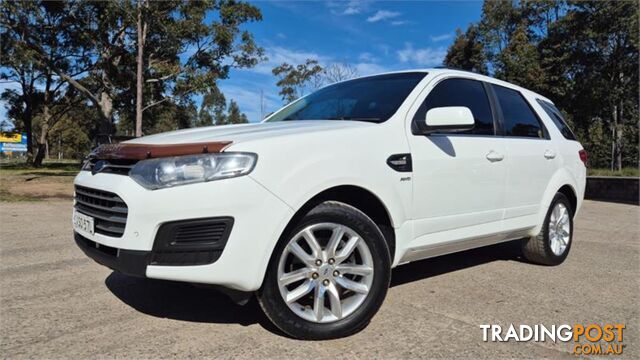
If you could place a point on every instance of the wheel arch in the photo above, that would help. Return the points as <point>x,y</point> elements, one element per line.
<point>568,191</point>
<point>563,182</point>
<point>358,197</point>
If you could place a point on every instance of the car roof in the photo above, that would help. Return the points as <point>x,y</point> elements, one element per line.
<point>468,74</point>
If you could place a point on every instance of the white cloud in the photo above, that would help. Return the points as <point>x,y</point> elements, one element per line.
<point>425,57</point>
<point>368,68</point>
<point>399,22</point>
<point>383,15</point>
<point>436,38</point>
<point>365,56</point>
<point>281,36</point>
<point>352,7</point>
<point>351,11</point>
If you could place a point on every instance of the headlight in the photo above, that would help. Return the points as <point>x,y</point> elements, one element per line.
<point>181,170</point>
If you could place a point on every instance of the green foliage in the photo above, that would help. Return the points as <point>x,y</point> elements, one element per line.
<point>295,81</point>
<point>235,116</point>
<point>467,51</point>
<point>627,171</point>
<point>87,53</point>
<point>519,62</point>
<point>581,54</point>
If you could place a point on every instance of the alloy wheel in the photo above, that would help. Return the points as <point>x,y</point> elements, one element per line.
<point>559,229</point>
<point>325,272</point>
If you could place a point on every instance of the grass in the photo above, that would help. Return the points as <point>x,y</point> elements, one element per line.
<point>21,182</point>
<point>48,168</point>
<point>633,172</point>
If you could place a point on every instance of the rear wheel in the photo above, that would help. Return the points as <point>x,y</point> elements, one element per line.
<point>551,246</point>
<point>328,276</point>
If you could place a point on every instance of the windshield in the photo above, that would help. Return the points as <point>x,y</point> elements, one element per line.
<point>374,98</point>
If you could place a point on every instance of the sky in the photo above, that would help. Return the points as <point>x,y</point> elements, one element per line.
<point>372,36</point>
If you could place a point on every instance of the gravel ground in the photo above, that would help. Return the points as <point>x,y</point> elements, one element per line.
<point>56,303</point>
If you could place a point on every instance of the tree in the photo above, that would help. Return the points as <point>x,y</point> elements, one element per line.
<point>235,116</point>
<point>53,50</point>
<point>594,49</point>
<point>499,21</point>
<point>91,41</point>
<point>581,54</point>
<point>127,57</point>
<point>337,72</point>
<point>201,51</point>
<point>295,81</point>
<point>467,51</point>
<point>519,63</point>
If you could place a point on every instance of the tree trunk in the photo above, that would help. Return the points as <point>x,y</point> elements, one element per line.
<point>44,132</point>
<point>141,32</point>
<point>28,128</point>
<point>106,112</point>
<point>618,139</point>
<point>46,117</point>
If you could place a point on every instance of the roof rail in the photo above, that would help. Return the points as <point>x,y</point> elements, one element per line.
<point>457,69</point>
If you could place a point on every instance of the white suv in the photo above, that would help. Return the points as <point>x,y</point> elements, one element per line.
<point>313,207</point>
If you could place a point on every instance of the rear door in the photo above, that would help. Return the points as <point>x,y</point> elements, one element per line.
<point>532,157</point>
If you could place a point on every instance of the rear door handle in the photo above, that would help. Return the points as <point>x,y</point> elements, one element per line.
<point>494,156</point>
<point>549,154</point>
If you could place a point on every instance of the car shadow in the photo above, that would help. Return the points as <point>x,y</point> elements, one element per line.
<point>186,302</point>
<point>424,269</point>
<point>181,301</point>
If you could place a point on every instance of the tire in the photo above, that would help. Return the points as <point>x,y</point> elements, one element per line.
<point>543,248</point>
<point>366,264</point>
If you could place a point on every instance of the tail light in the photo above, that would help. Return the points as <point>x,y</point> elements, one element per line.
<point>583,156</point>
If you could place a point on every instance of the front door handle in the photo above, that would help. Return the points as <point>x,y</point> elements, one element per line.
<point>549,154</point>
<point>494,156</point>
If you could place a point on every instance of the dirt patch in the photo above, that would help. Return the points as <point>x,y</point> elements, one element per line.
<point>34,187</point>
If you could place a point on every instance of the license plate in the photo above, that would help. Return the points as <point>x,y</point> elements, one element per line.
<point>82,223</point>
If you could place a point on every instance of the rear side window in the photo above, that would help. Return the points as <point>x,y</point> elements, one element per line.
<point>461,92</point>
<point>558,120</point>
<point>519,119</point>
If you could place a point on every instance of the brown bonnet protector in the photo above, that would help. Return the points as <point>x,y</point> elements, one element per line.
<point>147,151</point>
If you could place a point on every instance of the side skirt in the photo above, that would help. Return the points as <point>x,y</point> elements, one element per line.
<point>430,251</point>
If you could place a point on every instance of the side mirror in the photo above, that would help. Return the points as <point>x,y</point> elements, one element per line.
<point>448,119</point>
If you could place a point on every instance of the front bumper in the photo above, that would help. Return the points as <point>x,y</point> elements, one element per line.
<point>259,218</point>
<point>130,262</point>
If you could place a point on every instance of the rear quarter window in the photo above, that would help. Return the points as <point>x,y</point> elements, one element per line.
<point>558,120</point>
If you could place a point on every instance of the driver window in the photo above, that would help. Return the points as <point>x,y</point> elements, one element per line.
<point>461,92</point>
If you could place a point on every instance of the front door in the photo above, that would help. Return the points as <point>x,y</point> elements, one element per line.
<point>458,179</point>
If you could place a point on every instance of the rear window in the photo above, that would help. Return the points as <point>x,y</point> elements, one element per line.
<point>558,120</point>
<point>518,117</point>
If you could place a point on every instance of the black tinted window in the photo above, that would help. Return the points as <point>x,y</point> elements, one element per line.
<point>558,120</point>
<point>374,98</point>
<point>461,92</point>
<point>519,118</point>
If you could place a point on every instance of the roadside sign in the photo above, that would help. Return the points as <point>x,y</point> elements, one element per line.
<point>13,142</point>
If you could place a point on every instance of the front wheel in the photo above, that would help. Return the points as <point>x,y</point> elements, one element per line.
<point>328,276</point>
<point>551,246</point>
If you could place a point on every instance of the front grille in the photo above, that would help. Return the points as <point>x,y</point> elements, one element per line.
<point>112,166</point>
<point>108,210</point>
